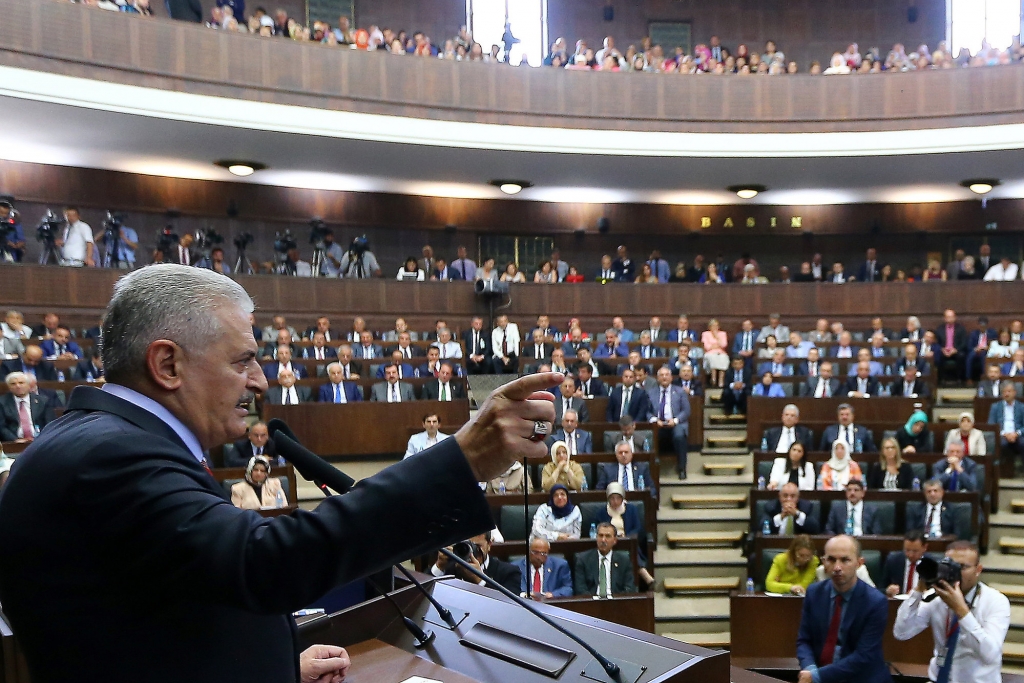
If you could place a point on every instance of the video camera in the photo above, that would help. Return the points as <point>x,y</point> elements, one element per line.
<point>7,225</point>
<point>284,243</point>
<point>49,227</point>
<point>166,239</point>
<point>317,232</point>
<point>207,239</point>
<point>243,240</point>
<point>360,245</point>
<point>931,572</point>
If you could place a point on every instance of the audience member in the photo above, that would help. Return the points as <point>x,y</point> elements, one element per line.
<point>562,470</point>
<point>857,438</point>
<point>900,572</point>
<point>576,440</point>
<point>890,473</point>
<point>767,388</point>
<point>32,364</point>
<point>612,347</point>
<point>793,571</point>
<point>558,519</point>
<point>633,477</point>
<point>24,414</point>
<point>258,442</point>
<point>792,469</point>
<point>671,411</point>
<point>60,346</point>
<point>952,340</point>
<point>1015,367</point>
<point>568,398</point>
<point>259,490</point>
<point>910,360</point>
<point>391,390</point>
<point>915,437</point>
<point>603,571</point>
<point>638,440</point>
<point>910,385</point>
<point>350,369</point>
<point>957,472</point>
<point>478,347</point>
<point>853,518</point>
<point>505,342</point>
<point>839,469</point>
<point>935,518</point>
<point>284,362</point>
<point>286,393</point>
<point>789,515</point>
<point>465,266</point>
<point>544,576</point>
<point>590,386</point>
<point>862,384</point>
<point>625,399</point>
<point>822,386</point>
<point>971,439</point>
<point>511,480</point>
<point>91,369</point>
<point>978,345</point>
<point>623,268</point>
<point>737,389</point>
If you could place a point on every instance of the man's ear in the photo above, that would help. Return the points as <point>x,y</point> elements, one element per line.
<point>162,364</point>
<point>860,561</point>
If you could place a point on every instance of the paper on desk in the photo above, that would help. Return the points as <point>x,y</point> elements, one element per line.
<point>776,595</point>
<point>420,679</point>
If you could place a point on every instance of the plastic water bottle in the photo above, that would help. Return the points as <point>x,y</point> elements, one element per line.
<point>501,487</point>
<point>279,499</point>
<point>593,530</point>
<point>89,377</point>
<point>764,443</point>
<point>766,528</point>
<point>760,483</point>
<point>849,527</point>
<point>916,485</point>
<point>858,446</point>
<point>640,482</point>
<point>60,376</point>
<point>750,586</point>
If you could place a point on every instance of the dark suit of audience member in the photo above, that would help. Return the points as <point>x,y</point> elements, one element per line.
<point>405,371</point>
<point>802,435</point>
<point>40,412</point>
<point>918,520</point>
<point>922,366</point>
<point>243,452</point>
<point>957,481</point>
<point>733,398</point>
<point>505,573</point>
<point>571,348</point>
<point>919,389</point>
<point>330,354</point>
<point>988,388</point>
<point>839,513</point>
<point>974,362</point>
<point>864,616</point>
<point>594,387</point>
<point>586,578</point>
<point>860,435</point>
<point>448,274</point>
<point>270,370</point>
<point>876,477</point>
<point>431,391</point>
<point>870,385</point>
<point>639,407</point>
<point>51,350</point>
<point>810,525</point>
<point>624,270</point>
<point>639,477</point>
<point>352,391</point>
<point>693,387</point>
<point>555,573</point>
<point>575,403</point>
<point>85,367</point>
<point>477,343</point>
<point>995,416</point>
<point>275,395</point>
<point>677,403</point>
<point>50,397</point>
<point>869,272</point>
<point>270,350</point>
<point>810,387</point>
<point>809,369</point>
<point>894,573</point>
<point>959,358</point>
<point>532,351</point>
<point>44,370</point>
<point>584,440</point>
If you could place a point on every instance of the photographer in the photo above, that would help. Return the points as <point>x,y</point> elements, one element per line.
<point>11,232</point>
<point>127,241</point>
<point>77,243</point>
<point>477,551</point>
<point>359,262</point>
<point>333,255</point>
<point>969,622</point>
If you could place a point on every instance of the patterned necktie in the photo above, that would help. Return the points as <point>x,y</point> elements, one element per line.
<point>626,484</point>
<point>27,430</point>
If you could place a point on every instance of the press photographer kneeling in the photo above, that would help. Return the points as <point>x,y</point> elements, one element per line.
<point>968,622</point>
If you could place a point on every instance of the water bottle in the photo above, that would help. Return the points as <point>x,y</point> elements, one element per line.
<point>640,482</point>
<point>766,528</point>
<point>593,530</point>
<point>849,527</point>
<point>501,487</point>
<point>916,486</point>
<point>279,499</point>
<point>60,376</point>
<point>760,483</point>
<point>750,586</point>
<point>764,443</point>
<point>89,377</point>
<point>858,446</point>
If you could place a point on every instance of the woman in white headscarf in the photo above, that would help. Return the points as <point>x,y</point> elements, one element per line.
<point>258,490</point>
<point>839,469</point>
<point>513,478</point>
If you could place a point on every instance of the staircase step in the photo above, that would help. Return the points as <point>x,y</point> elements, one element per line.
<point>717,468</point>
<point>725,450</point>
<point>712,641</point>
<point>711,538</point>
<point>955,395</point>
<point>1017,505</point>
<point>1008,544</point>
<point>707,500</point>
<point>726,419</point>
<point>711,584</point>
<point>1015,593</point>
<point>1013,652</point>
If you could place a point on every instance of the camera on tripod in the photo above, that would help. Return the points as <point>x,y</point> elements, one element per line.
<point>284,243</point>
<point>49,227</point>
<point>318,232</point>
<point>112,225</point>
<point>243,240</point>
<point>360,245</point>
<point>206,240</point>
<point>166,239</point>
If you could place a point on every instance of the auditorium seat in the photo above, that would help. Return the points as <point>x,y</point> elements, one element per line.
<point>961,517</point>
<point>885,511</point>
<point>759,513</point>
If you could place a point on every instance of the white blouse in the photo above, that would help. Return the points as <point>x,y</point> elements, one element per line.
<point>546,525</point>
<point>779,477</point>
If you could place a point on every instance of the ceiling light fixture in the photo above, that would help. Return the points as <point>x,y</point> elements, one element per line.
<point>511,186</point>
<point>980,185</point>
<point>240,168</point>
<point>747,191</point>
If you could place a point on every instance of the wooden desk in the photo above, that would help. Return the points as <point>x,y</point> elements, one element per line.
<point>366,428</point>
<point>635,610</point>
<point>767,626</point>
<point>374,661</point>
<point>769,410</point>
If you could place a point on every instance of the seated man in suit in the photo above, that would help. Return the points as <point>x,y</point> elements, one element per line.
<point>50,396</point>
<point>911,358</point>
<point>478,347</point>
<point>443,388</point>
<point>691,386</point>
<point>391,390</point>
<point>271,332</point>
<point>432,367</point>
<point>558,362</point>
<point>989,387</point>
<point>861,440</point>
<point>1015,366</point>
<point>350,369</point>
<point>779,439</point>
<point>257,443</point>
<point>852,518</point>
<point>745,342</point>
<point>61,347</point>
<point>24,415</point>
<point>586,358</point>
<point>632,476</point>
<point>774,328</point>
<point>847,606</point>
<point>638,440</point>
<point>319,350</point>
<point>844,349</point>
<point>448,347</point>
<point>910,385</point>
<point>810,367</point>
<point>588,385</point>
<point>670,409</point>
<point>957,472</point>
<point>538,349</point>
<point>604,571</point>
<point>789,515</point>
<point>430,436</point>
<point>935,518</point>
<point>737,387</point>
<point>543,576</point>
<point>875,368</point>
<point>568,397</point>
<point>406,348</point>
<point>90,369</point>
<point>646,349</point>
<point>576,440</point>
<point>612,347</point>
<point>367,350</point>
<point>822,386</point>
<point>777,366</point>
<point>1009,415</point>
<point>798,348</point>
<point>899,576</point>
<point>571,347</point>
<point>627,399</point>
<point>283,338</point>
<point>284,362</point>
<point>339,390</point>
<point>442,272</point>
<point>505,573</point>
<point>31,363</point>
<point>322,325</point>
<point>286,393</point>
<point>405,371</point>
<point>862,385</point>
<point>952,340</point>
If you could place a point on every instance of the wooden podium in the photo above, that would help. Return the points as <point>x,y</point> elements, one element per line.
<point>382,651</point>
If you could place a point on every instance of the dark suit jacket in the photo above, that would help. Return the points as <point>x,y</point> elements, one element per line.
<point>922,366</point>
<point>530,351</point>
<point>49,348</point>
<point>975,337</point>
<point>904,479</point>
<point>577,404</point>
<point>851,385</point>
<point>730,375</point>
<point>42,415</point>
<point>811,385</point>
<point>243,452</point>
<point>609,472</point>
<point>802,434</point>
<point>405,371</point>
<point>329,353</point>
<point>916,519</point>
<point>837,515</point>
<point>920,388</point>
<point>111,494</point>
<point>571,348</point>
<point>270,370</point>
<point>274,395</point>
<point>966,480</point>
<point>696,386</point>
<point>639,405</point>
<point>862,272</point>
<point>866,438</point>
<point>484,344</point>
<point>557,580</point>
<point>995,414</point>
<point>505,573</point>
<point>432,390</point>
<point>893,571</point>
<point>959,337</point>
<point>45,371</point>
<point>586,576</point>
<point>810,526</point>
<point>584,440</point>
<point>597,387</point>
<point>353,392</point>
<point>450,274</point>
<point>84,368</point>
<point>51,398</point>
<point>861,631</point>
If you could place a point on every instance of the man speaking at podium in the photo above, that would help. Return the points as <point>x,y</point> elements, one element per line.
<point>122,559</point>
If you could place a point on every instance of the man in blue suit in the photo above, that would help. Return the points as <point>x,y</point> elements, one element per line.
<point>671,410</point>
<point>633,476</point>
<point>61,345</point>
<point>1009,415</point>
<point>339,391</point>
<point>548,577</point>
<point>637,402</point>
<point>848,431</point>
<point>576,440</point>
<point>853,514</point>
<point>777,366</point>
<point>612,347</point>
<point>682,331</point>
<point>844,647</point>
<point>284,362</point>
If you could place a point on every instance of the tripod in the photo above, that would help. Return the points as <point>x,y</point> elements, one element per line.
<point>50,254</point>
<point>242,264</point>
<point>111,258</point>
<point>318,259</point>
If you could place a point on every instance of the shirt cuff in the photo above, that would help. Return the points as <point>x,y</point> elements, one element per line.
<point>815,676</point>
<point>801,517</point>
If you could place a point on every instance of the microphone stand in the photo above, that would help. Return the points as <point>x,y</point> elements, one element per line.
<point>526,523</point>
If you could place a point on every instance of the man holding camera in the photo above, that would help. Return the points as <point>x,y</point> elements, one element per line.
<point>77,242</point>
<point>359,262</point>
<point>968,622</point>
<point>13,235</point>
<point>123,247</point>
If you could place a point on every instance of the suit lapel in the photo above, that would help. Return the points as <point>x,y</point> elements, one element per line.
<point>91,399</point>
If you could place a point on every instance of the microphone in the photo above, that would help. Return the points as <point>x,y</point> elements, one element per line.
<point>610,668</point>
<point>422,637</point>
<point>445,613</point>
<point>309,464</point>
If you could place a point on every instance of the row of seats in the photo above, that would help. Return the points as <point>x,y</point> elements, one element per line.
<point>874,562</point>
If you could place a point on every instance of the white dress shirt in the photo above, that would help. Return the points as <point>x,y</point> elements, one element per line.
<point>627,470</point>
<point>444,391</point>
<point>511,337</point>
<point>570,442</point>
<point>77,242</point>
<point>822,389</point>
<point>394,393</point>
<point>786,440</point>
<point>289,397</point>
<point>858,517</point>
<point>933,519</point>
<point>979,648</point>
<point>998,273</point>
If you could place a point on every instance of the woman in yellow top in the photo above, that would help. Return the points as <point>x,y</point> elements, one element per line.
<point>562,470</point>
<point>793,570</point>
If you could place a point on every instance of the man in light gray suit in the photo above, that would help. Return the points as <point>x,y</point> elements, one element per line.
<point>391,390</point>
<point>286,393</point>
<point>671,411</point>
<point>775,328</point>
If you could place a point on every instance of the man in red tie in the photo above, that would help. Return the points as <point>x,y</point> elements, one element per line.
<point>952,339</point>
<point>842,624</point>
<point>901,568</point>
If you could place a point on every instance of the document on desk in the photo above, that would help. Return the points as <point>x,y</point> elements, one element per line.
<point>420,679</point>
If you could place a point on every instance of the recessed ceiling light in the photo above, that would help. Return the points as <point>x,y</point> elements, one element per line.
<point>240,168</point>
<point>511,186</point>
<point>980,185</point>
<point>747,191</point>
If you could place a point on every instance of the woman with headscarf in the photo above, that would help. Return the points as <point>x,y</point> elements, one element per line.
<point>627,522</point>
<point>839,469</point>
<point>562,470</point>
<point>258,491</point>
<point>972,439</point>
<point>558,519</point>
<point>513,480</point>
<point>915,437</point>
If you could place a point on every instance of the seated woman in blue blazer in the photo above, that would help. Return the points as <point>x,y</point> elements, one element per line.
<point>627,522</point>
<point>767,387</point>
